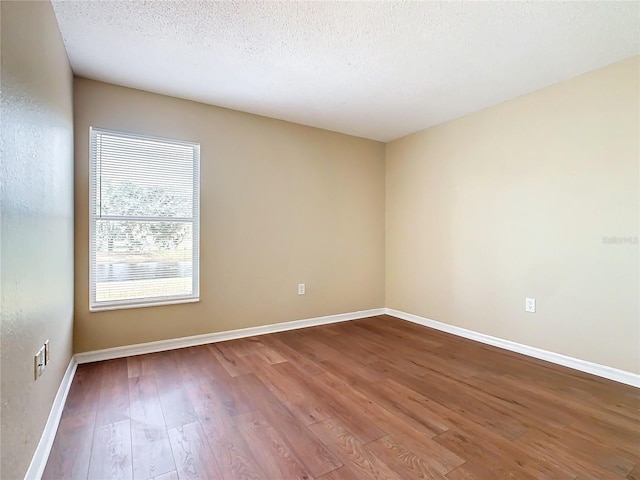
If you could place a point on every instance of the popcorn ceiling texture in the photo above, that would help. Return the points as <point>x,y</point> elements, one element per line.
<point>379,70</point>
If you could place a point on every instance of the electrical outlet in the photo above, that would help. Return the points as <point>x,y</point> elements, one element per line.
<point>39,362</point>
<point>46,352</point>
<point>530,305</point>
<point>301,289</point>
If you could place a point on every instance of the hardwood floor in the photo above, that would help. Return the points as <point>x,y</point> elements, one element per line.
<point>375,398</point>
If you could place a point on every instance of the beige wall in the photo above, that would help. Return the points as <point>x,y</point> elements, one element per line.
<point>36,223</point>
<point>514,202</point>
<point>281,204</point>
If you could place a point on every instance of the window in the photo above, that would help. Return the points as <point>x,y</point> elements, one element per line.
<point>144,220</point>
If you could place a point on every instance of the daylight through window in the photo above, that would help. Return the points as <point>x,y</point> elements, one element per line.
<point>144,220</point>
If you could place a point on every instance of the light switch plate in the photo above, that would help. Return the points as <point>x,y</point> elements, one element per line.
<point>38,362</point>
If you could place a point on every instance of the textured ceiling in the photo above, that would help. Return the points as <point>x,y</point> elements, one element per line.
<point>379,70</point>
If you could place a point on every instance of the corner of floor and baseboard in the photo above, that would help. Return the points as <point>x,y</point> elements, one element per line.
<point>610,373</point>
<point>41,455</point>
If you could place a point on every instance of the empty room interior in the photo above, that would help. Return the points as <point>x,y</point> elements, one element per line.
<point>320,240</point>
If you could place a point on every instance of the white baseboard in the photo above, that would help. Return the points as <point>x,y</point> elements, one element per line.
<point>603,371</point>
<point>41,455</point>
<point>161,345</point>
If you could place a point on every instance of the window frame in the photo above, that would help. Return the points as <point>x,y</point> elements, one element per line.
<point>95,306</point>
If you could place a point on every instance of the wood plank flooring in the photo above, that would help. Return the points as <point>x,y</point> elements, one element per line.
<point>375,398</point>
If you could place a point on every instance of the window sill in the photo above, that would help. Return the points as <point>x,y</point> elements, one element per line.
<point>122,306</point>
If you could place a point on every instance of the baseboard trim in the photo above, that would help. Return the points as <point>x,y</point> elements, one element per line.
<point>171,344</point>
<point>621,376</point>
<point>41,455</point>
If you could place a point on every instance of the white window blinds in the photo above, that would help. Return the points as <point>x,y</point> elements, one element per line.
<point>144,220</point>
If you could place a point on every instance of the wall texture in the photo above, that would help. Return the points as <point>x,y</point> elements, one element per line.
<point>36,223</point>
<point>281,204</point>
<point>521,200</point>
